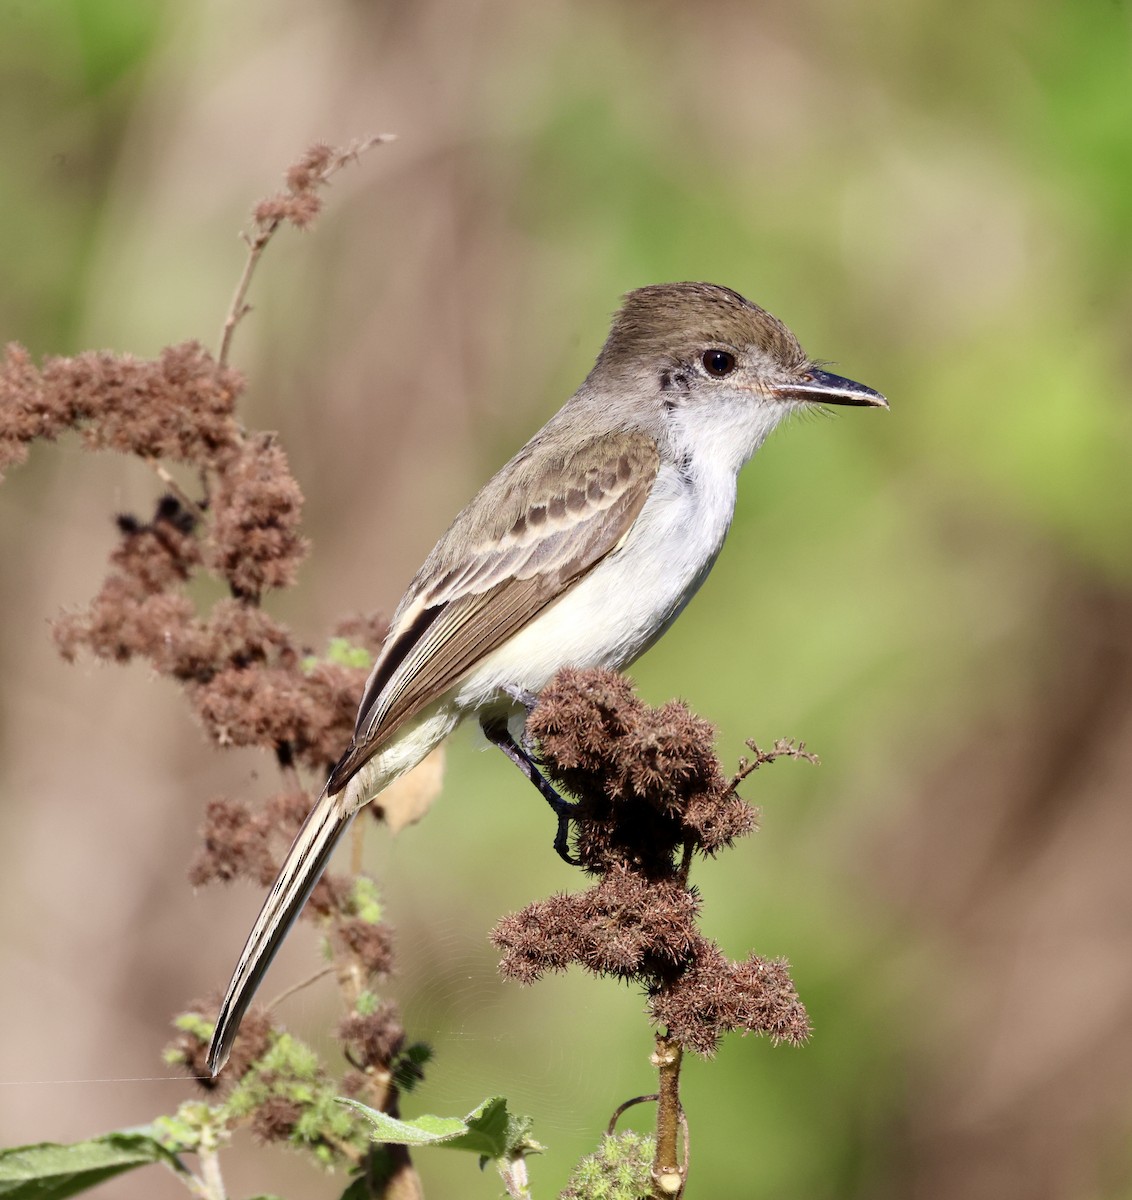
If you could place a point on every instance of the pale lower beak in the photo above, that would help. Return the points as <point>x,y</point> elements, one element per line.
<point>820,387</point>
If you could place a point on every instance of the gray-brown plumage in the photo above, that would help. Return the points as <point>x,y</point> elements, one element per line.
<point>674,321</point>
<point>549,516</point>
<point>580,552</point>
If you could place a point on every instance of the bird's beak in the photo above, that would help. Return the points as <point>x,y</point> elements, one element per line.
<point>820,387</point>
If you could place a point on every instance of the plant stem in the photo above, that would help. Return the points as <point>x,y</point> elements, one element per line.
<point>403,1182</point>
<point>515,1179</point>
<point>208,1153</point>
<point>667,1174</point>
<point>239,308</point>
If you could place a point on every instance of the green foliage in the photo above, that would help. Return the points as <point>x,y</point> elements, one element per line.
<point>421,1131</point>
<point>342,653</point>
<point>290,1072</point>
<point>193,1127</point>
<point>366,1003</point>
<point>489,1131</point>
<point>620,1169</point>
<point>193,1024</point>
<point>408,1070</point>
<point>50,1171</point>
<point>366,900</point>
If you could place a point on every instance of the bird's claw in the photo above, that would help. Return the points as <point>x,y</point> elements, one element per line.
<point>521,695</point>
<point>562,836</point>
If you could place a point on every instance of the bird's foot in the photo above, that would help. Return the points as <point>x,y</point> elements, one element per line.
<point>521,695</point>
<point>498,734</point>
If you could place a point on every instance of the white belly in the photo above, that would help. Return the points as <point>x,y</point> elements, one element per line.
<point>621,607</point>
<point>608,619</point>
<point>626,602</point>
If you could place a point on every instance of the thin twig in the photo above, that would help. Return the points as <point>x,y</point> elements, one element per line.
<point>196,1186</point>
<point>783,748</point>
<point>256,243</point>
<point>298,987</point>
<point>291,776</point>
<point>351,1153</point>
<point>513,1172</point>
<point>239,308</point>
<point>627,1105</point>
<point>183,498</point>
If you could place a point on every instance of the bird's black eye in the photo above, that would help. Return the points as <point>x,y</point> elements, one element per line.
<point>718,362</point>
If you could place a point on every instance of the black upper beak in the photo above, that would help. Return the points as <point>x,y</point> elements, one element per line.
<point>820,387</point>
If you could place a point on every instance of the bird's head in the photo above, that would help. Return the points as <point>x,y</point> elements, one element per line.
<point>702,355</point>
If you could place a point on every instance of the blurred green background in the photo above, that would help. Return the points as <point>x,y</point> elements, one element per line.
<point>935,197</point>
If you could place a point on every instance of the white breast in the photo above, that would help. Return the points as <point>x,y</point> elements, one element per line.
<point>623,605</point>
<point>629,599</point>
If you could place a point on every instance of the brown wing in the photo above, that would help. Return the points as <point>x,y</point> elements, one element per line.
<point>531,534</point>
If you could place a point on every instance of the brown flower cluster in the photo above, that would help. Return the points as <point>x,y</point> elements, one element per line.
<point>239,841</point>
<point>247,680</point>
<point>245,677</point>
<point>254,541</point>
<point>650,792</point>
<point>178,406</point>
<point>373,1039</point>
<point>647,779</point>
<point>275,1087</point>
<point>189,1049</point>
<point>299,203</point>
<point>241,668</point>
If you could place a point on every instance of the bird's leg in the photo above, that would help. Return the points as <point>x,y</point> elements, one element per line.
<point>496,731</point>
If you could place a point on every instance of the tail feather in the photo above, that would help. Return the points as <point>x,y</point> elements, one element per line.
<point>301,870</point>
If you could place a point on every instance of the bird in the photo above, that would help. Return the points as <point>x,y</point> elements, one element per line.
<point>581,551</point>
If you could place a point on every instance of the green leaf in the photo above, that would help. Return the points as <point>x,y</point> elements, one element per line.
<point>488,1130</point>
<point>51,1171</point>
<point>421,1131</point>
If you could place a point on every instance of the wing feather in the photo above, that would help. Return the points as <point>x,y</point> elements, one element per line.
<point>540,541</point>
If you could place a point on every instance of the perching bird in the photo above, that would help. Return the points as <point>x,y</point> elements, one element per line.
<point>580,552</point>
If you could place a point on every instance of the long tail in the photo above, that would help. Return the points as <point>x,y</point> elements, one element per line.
<point>301,870</point>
